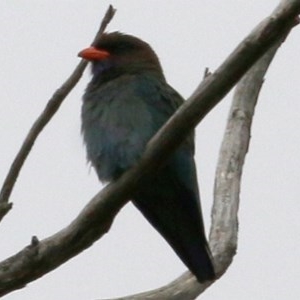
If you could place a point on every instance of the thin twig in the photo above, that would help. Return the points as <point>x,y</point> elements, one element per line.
<point>47,114</point>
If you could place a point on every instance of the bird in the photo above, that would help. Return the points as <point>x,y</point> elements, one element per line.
<point>126,102</point>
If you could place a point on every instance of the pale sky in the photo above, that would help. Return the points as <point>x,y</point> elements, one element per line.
<point>39,45</point>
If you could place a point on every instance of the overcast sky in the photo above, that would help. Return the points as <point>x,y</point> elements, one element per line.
<point>39,45</point>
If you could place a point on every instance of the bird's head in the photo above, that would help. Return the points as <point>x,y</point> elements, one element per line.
<point>116,54</point>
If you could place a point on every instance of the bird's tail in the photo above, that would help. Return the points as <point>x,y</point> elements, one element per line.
<point>183,231</point>
<point>198,259</point>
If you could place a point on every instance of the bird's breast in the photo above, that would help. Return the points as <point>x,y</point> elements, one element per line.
<point>116,126</point>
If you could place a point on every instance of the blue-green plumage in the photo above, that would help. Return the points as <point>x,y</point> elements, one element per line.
<point>124,105</point>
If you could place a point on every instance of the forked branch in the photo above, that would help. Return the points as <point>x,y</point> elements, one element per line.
<point>96,218</point>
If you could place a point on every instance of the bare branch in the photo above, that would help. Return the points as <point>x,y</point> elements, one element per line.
<point>224,229</point>
<point>105,21</point>
<point>49,111</point>
<point>94,221</point>
<point>223,236</point>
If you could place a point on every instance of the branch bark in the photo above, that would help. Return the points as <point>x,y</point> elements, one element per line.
<point>96,218</point>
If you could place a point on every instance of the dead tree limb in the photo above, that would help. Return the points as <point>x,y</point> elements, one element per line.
<point>96,218</point>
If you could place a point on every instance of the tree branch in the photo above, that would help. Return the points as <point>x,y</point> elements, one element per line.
<point>37,127</point>
<point>96,218</point>
<point>224,229</point>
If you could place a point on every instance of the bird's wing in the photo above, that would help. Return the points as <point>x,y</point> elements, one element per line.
<point>170,199</point>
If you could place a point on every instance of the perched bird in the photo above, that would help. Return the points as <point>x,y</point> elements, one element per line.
<point>124,105</point>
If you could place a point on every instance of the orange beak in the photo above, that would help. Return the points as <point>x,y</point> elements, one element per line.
<point>93,53</point>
